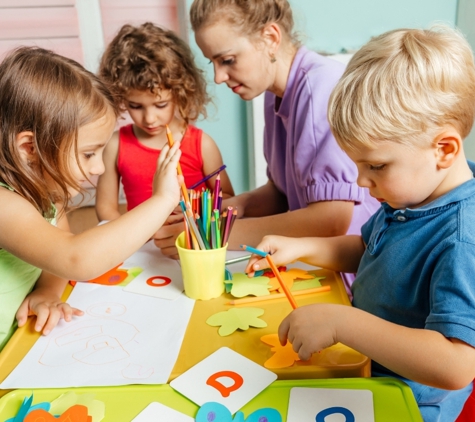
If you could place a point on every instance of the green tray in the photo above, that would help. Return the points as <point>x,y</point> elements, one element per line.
<point>393,400</point>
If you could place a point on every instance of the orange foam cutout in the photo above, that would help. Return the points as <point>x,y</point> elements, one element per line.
<point>289,277</point>
<point>283,357</point>
<point>76,413</point>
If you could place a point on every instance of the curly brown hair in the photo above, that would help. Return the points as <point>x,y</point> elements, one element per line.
<point>53,97</point>
<point>151,58</point>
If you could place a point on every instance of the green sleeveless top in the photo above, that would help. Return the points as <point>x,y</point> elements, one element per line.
<point>17,279</point>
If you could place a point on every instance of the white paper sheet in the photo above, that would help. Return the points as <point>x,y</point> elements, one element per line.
<point>158,412</point>
<point>123,338</point>
<point>161,276</point>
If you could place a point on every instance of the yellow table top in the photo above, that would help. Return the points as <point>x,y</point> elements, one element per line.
<point>201,340</point>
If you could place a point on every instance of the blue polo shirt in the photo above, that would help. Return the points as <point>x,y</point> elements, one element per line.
<point>418,271</point>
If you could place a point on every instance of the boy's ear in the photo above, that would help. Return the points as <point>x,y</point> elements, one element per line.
<point>26,147</point>
<point>449,146</point>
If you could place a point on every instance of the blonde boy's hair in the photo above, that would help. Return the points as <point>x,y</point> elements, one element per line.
<point>403,86</point>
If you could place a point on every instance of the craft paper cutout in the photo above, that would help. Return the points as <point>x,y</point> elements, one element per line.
<point>115,342</point>
<point>159,412</point>
<point>283,357</point>
<point>242,285</point>
<point>226,367</point>
<point>289,277</point>
<point>236,318</point>
<point>115,277</point>
<point>76,413</point>
<point>95,408</point>
<point>20,416</point>
<point>307,284</point>
<point>212,411</point>
<point>269,273</point>
<point>325,404</point>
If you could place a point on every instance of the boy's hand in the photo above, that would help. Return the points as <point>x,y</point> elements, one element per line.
<point>166,182</point>
<point>310,329</point>
<point>165,238</point>
<point>47,307</point>
<point>284,250</point>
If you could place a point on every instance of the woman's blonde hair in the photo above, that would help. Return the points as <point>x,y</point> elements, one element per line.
<point>403,86</point>
<point>52,97</point>
<point>150,58</point>
<point>250,16</point>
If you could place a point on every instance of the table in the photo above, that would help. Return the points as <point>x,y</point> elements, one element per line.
<point>393,400</point>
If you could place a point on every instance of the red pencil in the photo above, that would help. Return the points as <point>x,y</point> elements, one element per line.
<point>217,186</point>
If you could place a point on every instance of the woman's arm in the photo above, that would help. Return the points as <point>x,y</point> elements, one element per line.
<point>319,219</point>
<point>107,193</point>
<point>212,160</point>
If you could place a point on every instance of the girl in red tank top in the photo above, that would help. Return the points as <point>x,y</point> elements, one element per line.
<point>154,76</point>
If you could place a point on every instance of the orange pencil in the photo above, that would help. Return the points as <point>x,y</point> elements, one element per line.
<point>278,295</point>
<point>184,190</point>
<point>286,290</point>
<point>276,272</point>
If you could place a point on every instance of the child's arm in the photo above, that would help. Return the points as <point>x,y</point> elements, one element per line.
<point>24,232</point>
<point>422,355</point>
<point>107,193</point>
<point>340,253</point>
<point>45,299</point>
<point>212,160</point>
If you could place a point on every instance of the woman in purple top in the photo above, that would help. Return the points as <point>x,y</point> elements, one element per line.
<point>312,188</point>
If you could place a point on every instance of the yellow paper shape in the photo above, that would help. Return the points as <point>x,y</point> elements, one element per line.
<point>245,286</point>
<point>283,357</point>
<point>96,409</point>
<point>307,284</point>
<point>289,276</point>
<point>236,318</point>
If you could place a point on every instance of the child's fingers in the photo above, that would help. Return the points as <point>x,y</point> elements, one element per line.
<point>22,313</point>
<point>284,330</point>
<point>256,263</point>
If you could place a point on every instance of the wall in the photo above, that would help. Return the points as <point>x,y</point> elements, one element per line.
<point>328,25</point>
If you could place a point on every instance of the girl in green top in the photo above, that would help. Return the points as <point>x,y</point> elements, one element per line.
<point>55,120</point>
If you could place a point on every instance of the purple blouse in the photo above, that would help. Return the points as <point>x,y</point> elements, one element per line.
<point>303,159</point>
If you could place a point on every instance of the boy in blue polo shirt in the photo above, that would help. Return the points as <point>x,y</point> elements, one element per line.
<point>401,111</point>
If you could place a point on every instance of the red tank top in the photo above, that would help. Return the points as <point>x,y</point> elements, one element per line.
<point>136,163</point>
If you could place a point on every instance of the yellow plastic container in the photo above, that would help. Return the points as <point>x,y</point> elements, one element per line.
<point>202,270</point>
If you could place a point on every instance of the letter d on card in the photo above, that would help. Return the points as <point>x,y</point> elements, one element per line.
<point>224,377</point>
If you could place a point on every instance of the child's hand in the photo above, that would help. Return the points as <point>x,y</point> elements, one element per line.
<point>175,217</point>
<point>283,251</point>
<point>166,182</point>
<point>310,329</point>
<point>47,307</point>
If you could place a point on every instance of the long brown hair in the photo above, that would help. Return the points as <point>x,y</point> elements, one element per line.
<point>151,58</point>
<point>248,15</point>
<point>51,96</point>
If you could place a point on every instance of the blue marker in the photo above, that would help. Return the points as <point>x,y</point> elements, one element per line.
<point>254,250</point>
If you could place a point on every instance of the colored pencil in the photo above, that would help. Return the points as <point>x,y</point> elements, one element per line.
<point>184,190</point>
<point>286,290</point>
<point>217,186</point>
<point>203,235</point>
<point>278,295</point>
<point>227,226</point>
<point>254,250</point>
<point>239,259</point>
<point>209,176</point>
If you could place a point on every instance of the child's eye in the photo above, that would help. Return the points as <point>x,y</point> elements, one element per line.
<point>378,167</point>
<point>161,105</point>
<point>134,106</point>
<point>89,155</point>
<point>227,62</point>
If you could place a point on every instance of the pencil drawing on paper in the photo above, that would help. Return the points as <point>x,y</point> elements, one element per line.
<point>101,340</point>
